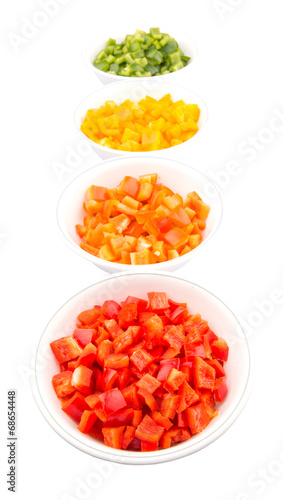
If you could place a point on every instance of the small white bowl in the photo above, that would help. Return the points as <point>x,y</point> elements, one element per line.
<point>135,91</point>
<point>118,287</point>
<point>179,177</point>
<point>187,45</point>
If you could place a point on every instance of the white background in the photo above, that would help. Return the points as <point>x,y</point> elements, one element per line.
<point>238,73</point>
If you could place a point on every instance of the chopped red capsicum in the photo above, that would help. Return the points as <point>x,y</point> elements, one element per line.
<point>143,374</point>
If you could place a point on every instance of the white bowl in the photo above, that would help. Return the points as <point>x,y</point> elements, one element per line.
<point>136,90</point>
<point>179,177</point>
<point>118,287</point>
<point>187,45</point>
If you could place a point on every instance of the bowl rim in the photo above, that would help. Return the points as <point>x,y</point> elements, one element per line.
<point>146,458</point>
<point>98,40</point>
<point>128,267</point>
<point>119,153</point>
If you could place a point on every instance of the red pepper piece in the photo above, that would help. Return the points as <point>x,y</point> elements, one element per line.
<point>141,359</point>
<point>82,380</point>
<point>188,396</point>
<point>149,383</point>
<point>65,349</point>
<point>145,446</point>
<point>116,361</point>
<point>169,405</point>
<point>128,314</point>
<point>89,316</point>
<point>193,350</point>
<point>175,336</point>
<point>147,398</point>
<point>83,336</point>
<point>88,356</point>
<point>220,349</point>
<point>109,378</point>
<point>174,380</point>
<point>75,406</point>
<point>174,435</point>
<point>166,366</point>
<point>130,395</point>
<point>97,378</point>
<point>179,315</point>
<point>208,401</point>
<point>111,309</point>
<point>113,436</point>
<point>93,400</point>
<point>104,348</point>
<point>62,384</point>
<point>112,401</point>
<point>219,370</point>
<point>141,303</point>
<point>161,420</point>
<point>121,417</point>
<point>145,316</point>
<point>204,374</point>
<point>174,305</point>
<point>112,327</point>
<point>197,418</point>
<point>158,301</point>
<point>128,436</point>
<point>87,421</point>
<point>220,389</point>
<point>182,419</point>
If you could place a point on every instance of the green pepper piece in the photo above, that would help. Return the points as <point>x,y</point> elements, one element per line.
<point>155,33</point>
<point>114,67</point>
<point>135,46</point>
<point>152,69</point>
<point>109,50</point>
<point>111,41</point>
<point>138,36</point>
<point>102,54</point>
<point>178,65</point>
<point>110,59</point>
<point>138,53</point>
<point>155,55</point>
<point>157,44</point>
<point>128,40</point>
<point>164,40</point>
<point>102,65</point>
<point>125,71</point>
<point>120,59</point>
<point>142,61</point>
<point>185,59</point>
<point>135,67</point>
<point>128,58</point>
<point>148,40</point>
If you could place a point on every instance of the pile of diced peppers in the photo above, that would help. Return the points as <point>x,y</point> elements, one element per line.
<point>141,222</point>
<point>147,125</point>
<point>142,55</point>
<point>141,375</point>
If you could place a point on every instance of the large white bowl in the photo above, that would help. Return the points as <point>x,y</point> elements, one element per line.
<point>179,177</point>
<point>187,45</point>
<point>118,287</point>
<point>136,90</point>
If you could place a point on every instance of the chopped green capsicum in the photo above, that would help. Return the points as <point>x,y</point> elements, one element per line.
<point>142,54</point>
